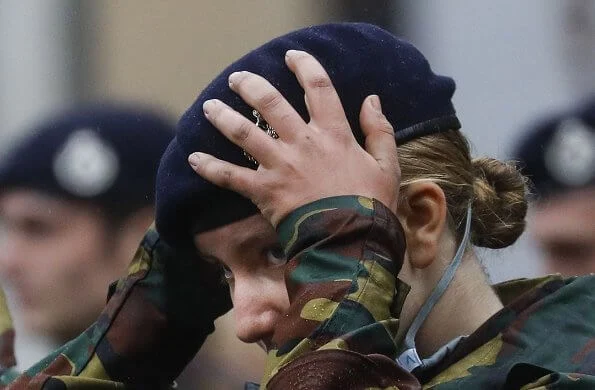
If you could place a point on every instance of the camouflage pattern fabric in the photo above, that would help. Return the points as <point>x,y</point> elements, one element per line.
<point>7,359</point>
<point>345,253</point>
<point>544,338</point>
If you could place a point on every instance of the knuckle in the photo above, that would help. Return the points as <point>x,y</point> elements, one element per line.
<point>243,131</point>
<point>225,177</point>
<point>386,127</point>
<point>286,117</point>
<point>378,124</point>
<point>319,81</point>
<point>287,166</point>
<point>269,100</point>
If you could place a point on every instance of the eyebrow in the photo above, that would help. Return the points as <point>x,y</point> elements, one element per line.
<point>208,257</point>
<point>253,239</point>
<point>243,244</point>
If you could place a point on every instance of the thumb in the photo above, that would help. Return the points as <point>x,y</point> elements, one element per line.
<point>379,135</point>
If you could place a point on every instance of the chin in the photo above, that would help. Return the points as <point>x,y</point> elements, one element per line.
<point>34,325</point>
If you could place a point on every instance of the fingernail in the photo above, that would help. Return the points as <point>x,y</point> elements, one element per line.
<point>194,159</point>
<point>235,78</point>
<point>375,102</point>
<point>290,53</point>
<point>207,106</point>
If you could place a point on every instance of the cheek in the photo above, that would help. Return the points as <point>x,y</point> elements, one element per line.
<point>71,265</point>
<point>278,287</point>
<point>261,291</point>
<point>63,279</point>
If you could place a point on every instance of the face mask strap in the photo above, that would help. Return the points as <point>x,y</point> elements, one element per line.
<point>410,359</point>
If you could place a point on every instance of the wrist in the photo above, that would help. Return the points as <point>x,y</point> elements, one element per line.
<point>288,228</point>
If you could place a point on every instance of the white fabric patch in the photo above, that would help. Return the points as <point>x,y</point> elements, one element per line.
<point>570,155</point>
<point>86,166</point>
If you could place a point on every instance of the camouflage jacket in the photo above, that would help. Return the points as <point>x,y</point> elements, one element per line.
<point>7,359</point>
<point>544,338</point>
<point>340,330</point>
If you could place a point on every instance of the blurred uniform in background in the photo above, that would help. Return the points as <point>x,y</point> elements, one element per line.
<point>7,359</point>
<point>75,199</point>
<point>558,155</point>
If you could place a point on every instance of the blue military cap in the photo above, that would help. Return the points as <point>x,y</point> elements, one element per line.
<point>106,154</point>
<point>361,59</point>
<point>558,152</point>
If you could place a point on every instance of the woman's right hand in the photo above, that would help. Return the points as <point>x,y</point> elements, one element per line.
<point>309,161</point>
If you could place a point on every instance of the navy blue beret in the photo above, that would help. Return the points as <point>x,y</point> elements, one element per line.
<point>361,59</point>
<point>106,154</point>
<point>557,153</point>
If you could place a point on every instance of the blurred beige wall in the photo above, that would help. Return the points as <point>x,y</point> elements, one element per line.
<point>165,52</point>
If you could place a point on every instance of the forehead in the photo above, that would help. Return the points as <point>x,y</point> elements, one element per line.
<point>22,203</point>
<point>235,236</point>
<point>28,199</point>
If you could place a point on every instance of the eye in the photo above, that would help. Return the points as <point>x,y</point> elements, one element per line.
<point>227,274</point>
<point>276,256</point>
<point>36,228</point>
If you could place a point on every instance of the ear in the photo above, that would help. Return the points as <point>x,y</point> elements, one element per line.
<point>423,215</point>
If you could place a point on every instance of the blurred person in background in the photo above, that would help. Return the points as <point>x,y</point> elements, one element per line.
<point>558,155</point>
<point>76,196</point>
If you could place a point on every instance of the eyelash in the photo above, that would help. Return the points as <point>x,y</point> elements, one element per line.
<point>275,256</point>
<point>227,274</point>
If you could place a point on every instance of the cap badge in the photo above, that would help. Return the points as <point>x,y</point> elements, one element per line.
<point>570,155</point>
<point>86,165</point>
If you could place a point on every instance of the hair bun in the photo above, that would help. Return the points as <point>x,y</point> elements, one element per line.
<point>499,203</point>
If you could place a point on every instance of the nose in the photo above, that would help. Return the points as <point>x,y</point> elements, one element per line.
<point>258,304</point>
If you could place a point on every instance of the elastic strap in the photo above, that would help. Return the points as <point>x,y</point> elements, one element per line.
<point>409,359</point>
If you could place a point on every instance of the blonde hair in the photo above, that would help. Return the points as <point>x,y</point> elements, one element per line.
<point>497,189</point>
